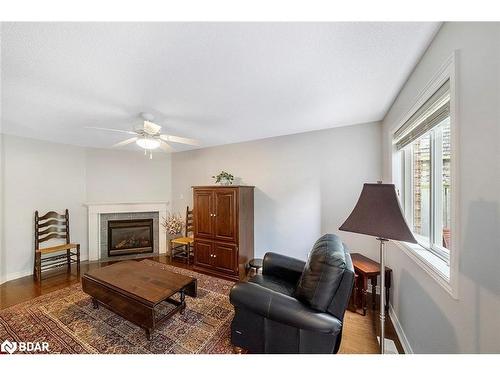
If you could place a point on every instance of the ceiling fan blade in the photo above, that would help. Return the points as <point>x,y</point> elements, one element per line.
<point>165,146</point>
<point>112,130</point>
<point>175,139</point>
<point>151,128</point>
<point>125,142</point>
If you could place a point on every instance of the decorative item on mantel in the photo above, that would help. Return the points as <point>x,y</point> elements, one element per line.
<point>173,224</point>
<point>224,178</point>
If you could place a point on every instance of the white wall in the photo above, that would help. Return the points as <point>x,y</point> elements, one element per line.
<point>114,176</point>
<point>433,321</point>
<point>2,256</point>
<point>2,253</point>
<point>305,184</point>
<point>40,175</point>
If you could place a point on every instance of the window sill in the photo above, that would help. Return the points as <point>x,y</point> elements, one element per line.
<point>437,268</point>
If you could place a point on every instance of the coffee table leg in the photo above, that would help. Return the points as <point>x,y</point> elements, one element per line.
<point>191,289</point>
<point>183,301</point>
<point>95,304</point>
<point>148,334</point>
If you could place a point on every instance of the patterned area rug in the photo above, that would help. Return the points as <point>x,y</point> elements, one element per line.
<point>66,320</point>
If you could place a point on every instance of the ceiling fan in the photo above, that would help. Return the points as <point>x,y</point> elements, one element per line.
<point>149,136</point>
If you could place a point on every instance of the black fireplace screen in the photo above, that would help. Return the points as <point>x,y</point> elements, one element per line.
<point>127,237</point>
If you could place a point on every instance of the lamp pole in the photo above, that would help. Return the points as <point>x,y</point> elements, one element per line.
<point>378,211</point>
<point>382,293</point>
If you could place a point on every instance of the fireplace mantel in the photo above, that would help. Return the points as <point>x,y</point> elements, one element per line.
<point>95,209</point>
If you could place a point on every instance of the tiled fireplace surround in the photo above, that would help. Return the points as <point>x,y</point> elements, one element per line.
<point>100,213</point>
<point>103,231</point>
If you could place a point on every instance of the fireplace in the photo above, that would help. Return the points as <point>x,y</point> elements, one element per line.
<point>126,237</point>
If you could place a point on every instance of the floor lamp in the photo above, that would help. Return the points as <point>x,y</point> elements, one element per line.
<point>378,213</point>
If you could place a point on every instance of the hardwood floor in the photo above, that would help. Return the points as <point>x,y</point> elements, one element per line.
<point>360,332</point>
<point>359,335</point>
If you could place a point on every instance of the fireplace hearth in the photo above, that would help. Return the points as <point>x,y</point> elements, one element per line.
<point>128,237</point>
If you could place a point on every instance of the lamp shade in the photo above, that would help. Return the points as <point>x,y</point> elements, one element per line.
<point>378,213</point>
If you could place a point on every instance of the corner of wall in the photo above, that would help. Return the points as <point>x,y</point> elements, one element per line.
<point>2,255</point>
<point>2,199</point>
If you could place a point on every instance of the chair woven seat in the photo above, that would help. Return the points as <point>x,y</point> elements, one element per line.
<point>53,249</point>
<point>183,240</point>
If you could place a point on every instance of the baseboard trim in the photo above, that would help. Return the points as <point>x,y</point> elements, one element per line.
<point>399,331</point>
<point>397,326</point>
<point>17,275</point>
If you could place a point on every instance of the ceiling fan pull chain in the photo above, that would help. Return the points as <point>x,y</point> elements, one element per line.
<point>150,155</point>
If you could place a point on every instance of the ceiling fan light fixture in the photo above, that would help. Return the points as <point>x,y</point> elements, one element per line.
<point>148,143</point>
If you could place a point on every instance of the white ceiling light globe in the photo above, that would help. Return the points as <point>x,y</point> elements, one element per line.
<point>148,143</point>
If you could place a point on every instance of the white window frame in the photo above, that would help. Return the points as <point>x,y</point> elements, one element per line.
<point>436,191</point>
<point>445,272</point>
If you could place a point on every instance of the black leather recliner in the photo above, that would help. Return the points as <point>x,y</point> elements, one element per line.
<point>295,307</point>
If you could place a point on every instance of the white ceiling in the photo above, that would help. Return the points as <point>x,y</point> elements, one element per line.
<point>218,82</point>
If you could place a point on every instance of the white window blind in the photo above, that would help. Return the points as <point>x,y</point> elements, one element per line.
<point>429,115</point>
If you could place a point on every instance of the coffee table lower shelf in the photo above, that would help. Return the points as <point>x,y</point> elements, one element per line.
<point>134,308</point>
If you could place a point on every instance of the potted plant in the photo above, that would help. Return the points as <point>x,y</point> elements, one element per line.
<point>173,224</point>
<point>224,178</point>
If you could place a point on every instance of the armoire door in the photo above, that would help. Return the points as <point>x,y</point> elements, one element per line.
<point>225,219</point>
<point>203,252</point>
<point>203,213</point>
<point>224,257</point>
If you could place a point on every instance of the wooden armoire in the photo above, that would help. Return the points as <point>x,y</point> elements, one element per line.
<point>223,229</point>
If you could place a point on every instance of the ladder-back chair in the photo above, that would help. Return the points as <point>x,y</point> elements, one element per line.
<point>182,247</point>
<point>54,226</point>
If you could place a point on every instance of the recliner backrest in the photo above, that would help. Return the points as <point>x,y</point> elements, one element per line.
<point>323,273</point>
<point>340,300</point>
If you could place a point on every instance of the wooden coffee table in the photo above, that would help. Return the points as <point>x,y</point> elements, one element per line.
<point>133,290</point>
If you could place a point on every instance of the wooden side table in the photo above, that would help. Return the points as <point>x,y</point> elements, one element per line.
<point>367,269</point>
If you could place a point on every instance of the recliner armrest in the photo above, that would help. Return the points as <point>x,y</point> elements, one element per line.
<point>282,308</point>
<point>282,267</point>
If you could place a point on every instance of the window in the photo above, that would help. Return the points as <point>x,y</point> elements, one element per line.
<point>425,146</point>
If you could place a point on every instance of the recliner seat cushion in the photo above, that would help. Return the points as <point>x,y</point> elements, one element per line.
<point>323,273</point>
